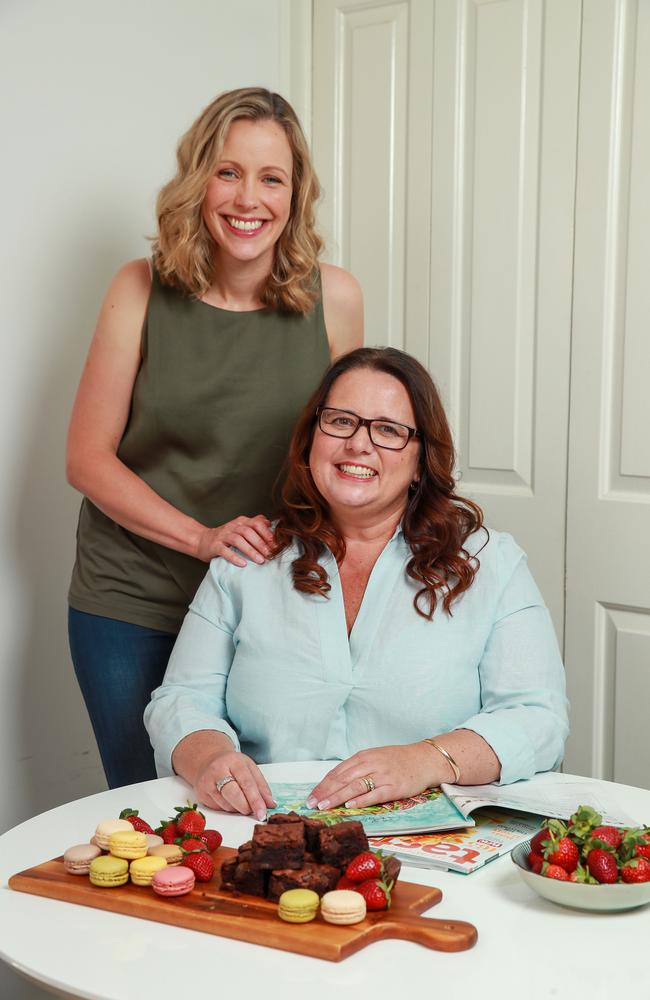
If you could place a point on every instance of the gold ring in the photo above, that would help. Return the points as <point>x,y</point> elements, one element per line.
<point>369,783</point>
<point>224,781</point>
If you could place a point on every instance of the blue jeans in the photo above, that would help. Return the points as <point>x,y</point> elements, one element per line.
<point>118,665</point>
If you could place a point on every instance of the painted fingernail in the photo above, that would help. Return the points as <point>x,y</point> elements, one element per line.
<point>325,804</point>
<point>261,815</point>
<point>351,804</point>
<point>311,802</point>
<point>273,803</point>
<point>259,559</point>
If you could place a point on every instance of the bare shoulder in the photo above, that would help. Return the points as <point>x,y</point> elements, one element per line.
<point>132,283</point>
<point>125,303</point>
<point>342,308</point>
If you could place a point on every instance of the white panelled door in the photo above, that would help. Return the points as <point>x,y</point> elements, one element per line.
<point>608,531</point>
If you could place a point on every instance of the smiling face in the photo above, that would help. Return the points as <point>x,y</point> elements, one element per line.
<point>359,481</point>
<point>248,199</point>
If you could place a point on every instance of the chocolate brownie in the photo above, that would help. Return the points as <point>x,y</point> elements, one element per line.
<point>250,879</point>
<point>312,829</point>
<point>342,842</point>
<point>228,872</point>
<point>281,845</point>
<point>291,817</point>
<point>318,878</point>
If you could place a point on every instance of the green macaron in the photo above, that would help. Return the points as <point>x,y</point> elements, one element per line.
<point>298,906</point>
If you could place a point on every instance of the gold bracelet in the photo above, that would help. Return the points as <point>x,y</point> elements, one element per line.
<point>445,753</point>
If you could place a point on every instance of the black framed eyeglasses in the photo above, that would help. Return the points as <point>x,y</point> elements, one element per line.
<point>383,433</point>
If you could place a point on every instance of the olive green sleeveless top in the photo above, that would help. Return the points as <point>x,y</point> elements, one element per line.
<point>214,404</point>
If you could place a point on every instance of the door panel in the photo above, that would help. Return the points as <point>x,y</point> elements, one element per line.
<point>608,526</point>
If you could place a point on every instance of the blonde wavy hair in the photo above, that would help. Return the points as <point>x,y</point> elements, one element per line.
<point>182,251</point>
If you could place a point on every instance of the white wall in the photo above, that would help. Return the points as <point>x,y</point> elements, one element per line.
<point>95,97</point>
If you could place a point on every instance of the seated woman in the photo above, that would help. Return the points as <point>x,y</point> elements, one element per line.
<point>391,632</point>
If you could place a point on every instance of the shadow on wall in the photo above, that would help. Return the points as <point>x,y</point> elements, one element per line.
<point>57,758</point>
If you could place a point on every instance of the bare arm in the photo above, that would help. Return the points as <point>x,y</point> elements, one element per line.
<point>342,309</point>
<point>205,757</point>
<point>98,420</point>
<point>400,771</point>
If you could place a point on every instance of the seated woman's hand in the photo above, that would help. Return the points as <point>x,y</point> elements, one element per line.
<point>252,536</point>
<point>245,790</point>
<point>396,772</point>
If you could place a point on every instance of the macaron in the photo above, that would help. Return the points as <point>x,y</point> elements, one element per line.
<point>106,828</point>
<point>173,881</point>
<point>107,871</point>
<point>343,906</point>
<point>142,870</point>
<point>298,906</point>
<point>153,840</point>
<point>170,852</point>
<point>76,860</point>
<point>127,844</point>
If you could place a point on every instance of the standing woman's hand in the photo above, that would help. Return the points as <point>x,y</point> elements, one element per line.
<point>251,536</point>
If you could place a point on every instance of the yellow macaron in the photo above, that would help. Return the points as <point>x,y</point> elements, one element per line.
<point>107,872</point>
<point>127,844</point>
<point>343,906</point>
<point>142,870</point>
<point>298,906</point>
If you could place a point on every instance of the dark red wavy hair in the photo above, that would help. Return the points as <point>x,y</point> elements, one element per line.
<point>436,522</point>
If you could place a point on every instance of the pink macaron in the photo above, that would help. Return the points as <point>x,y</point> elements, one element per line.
<point>173,881</point>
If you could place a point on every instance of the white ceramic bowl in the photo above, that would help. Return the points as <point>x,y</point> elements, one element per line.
<point>619,896</point>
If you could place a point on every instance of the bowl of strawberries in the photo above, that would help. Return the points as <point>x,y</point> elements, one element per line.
<point>586,864</point>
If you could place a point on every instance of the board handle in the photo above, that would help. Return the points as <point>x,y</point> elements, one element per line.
<point>442,935</point>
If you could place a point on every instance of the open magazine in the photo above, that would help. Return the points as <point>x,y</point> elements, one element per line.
<point>450,807</point>
<point>432,810</point>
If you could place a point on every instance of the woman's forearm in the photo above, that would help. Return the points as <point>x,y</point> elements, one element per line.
<point>130,502</point>
<point>476,760</point>
<point>190,756</point>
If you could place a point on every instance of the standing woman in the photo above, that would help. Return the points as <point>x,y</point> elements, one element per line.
<point>199,366</point>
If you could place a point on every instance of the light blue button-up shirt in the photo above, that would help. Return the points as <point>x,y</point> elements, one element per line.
<point>274,668</point>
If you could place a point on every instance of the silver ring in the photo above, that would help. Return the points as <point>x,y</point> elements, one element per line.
<point>369,783</point>
<point>224,781</point>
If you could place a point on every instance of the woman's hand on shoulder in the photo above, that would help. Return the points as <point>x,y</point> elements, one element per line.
<point>245,792</point>
<point>103,399</point>
<point>395,771</point>
<point>342,309</point>
<point>252,536</point>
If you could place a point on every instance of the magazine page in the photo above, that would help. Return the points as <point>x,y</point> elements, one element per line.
<point>547,794</point>
<point>495,833</point>
<point>432,810</point>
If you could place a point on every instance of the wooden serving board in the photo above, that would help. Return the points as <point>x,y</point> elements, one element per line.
<point>248,918</point>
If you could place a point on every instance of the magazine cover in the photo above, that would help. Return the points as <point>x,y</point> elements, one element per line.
<point>431,810</point>
<point>495,833</point>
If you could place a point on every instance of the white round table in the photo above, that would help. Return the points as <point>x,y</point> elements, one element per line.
<point>527,947</point>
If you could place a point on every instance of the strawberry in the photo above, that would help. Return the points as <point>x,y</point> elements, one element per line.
<point>535,862</point>
<point>168,831</point>
<point>201,864</point>
<point>345,883</point>
<point>539,841</point>
<point>602,865</point>
<point>643,849</point>
<point>375,893</point>
<point>190,844</point>
<point>636,870</point>
<point>212,839</point>
<point>556,872</point>
<point>138,824</point>
<point>562,852</point>
<point>364,866</point>
<point>607,835</point>
<point>189,819</point>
